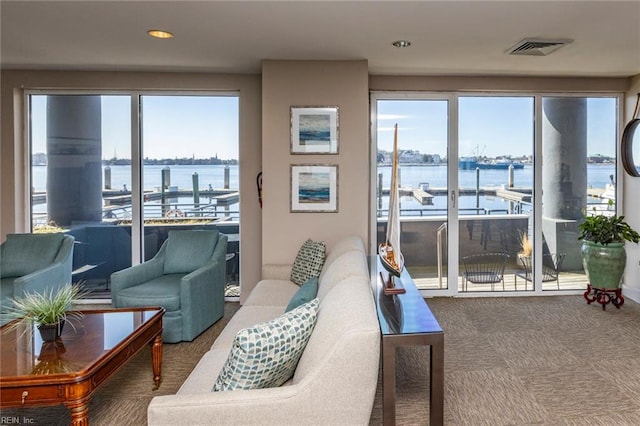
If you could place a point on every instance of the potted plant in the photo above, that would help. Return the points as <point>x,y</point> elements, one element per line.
<point>48,310</point>
<point>603,254</point>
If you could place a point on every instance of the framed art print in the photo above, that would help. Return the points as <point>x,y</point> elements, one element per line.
<point>314,188</point>
<point>314,130</point>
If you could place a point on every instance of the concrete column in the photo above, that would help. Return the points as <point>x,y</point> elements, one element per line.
<point>74,156</point>
<point>564,150</point>
<point>564,174</point>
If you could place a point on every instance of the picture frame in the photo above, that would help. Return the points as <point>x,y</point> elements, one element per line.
<point>314,188</point>
<point>314,130</point>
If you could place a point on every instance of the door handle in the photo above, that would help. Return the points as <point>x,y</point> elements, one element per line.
<point>453,199</point>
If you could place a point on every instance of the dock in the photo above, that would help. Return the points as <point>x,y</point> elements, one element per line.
<point>114,197</point>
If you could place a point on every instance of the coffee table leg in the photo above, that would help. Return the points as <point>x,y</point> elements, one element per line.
<point>79,413</point>
<point>156,360</point>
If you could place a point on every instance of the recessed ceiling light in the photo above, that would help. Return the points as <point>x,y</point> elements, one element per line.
<point>160,34</point>
<point>401,43</point>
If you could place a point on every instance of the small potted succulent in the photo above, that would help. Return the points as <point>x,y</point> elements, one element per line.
<point>48,310</point>
<point>603,254</point>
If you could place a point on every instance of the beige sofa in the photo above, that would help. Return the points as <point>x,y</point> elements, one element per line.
<point>336,378</point>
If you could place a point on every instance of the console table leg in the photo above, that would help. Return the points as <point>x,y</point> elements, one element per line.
<point>436,412</point>
<point>156,360</point>
<point>388,382</point>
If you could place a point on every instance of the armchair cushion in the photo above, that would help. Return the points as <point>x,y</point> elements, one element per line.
<point>266,354</point>
<point>23,254</point>
<point>161,291</point>
<point>189,250</point>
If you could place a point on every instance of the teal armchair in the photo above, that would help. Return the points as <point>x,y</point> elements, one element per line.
<point>33,263</point>
<point>186,277</point>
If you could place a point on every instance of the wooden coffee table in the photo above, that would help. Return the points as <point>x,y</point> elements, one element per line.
<point>69,371</point>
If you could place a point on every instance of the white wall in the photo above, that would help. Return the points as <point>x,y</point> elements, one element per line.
<point>313,83</point>
<point>631,287</point>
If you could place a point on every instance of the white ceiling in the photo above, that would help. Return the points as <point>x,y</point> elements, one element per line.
<point>448,37</point>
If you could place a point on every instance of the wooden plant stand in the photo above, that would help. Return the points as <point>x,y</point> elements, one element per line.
<point>604,296</point>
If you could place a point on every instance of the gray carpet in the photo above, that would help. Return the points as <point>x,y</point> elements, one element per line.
<point>508,361</point>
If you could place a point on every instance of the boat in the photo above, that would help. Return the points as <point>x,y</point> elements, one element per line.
<point>472,163</point>
<point>389,251</point>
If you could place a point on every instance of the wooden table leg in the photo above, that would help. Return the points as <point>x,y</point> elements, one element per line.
<point>388,382</point>
<point>436,415</point>
<point>79,412</point>
<point>156,360</point>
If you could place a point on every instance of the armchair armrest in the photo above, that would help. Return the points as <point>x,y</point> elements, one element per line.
<point>202,293</point>
<point>49,277</point>
<point>136,274</point>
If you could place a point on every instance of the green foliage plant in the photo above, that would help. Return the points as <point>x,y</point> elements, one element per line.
<point>607,229</point>
<point>46,308</point>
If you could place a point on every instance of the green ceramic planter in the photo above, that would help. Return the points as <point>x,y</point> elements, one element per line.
<point>604,264</point>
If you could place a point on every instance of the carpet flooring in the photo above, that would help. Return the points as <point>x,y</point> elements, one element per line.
<point>508,361</point>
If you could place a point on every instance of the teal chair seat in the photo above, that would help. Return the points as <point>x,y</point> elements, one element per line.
<point>162,291</point>
<point>186,277</point>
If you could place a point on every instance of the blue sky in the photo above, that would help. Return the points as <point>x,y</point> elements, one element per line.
<point>206,126</point>
<point>173,126</point>
<point>490,126</point>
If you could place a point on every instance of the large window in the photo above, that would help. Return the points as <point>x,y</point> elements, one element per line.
<point>503,180</point>
<point>120,195</point>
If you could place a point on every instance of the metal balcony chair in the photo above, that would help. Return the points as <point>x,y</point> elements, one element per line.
<point>484,268</point>
<point>551,264</point>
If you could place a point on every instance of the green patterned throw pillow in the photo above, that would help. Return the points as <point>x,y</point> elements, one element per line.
<point>267,354</point>
<point>308,262</point>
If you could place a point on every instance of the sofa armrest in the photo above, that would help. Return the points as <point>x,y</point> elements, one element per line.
<point>273,406</point>
<point>276,272</point>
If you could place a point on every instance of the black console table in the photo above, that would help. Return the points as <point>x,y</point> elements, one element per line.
<point>406,320</point>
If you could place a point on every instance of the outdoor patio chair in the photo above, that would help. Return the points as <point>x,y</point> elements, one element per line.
<point>186,277</point>
<point>484,268</point>
<point>551,264</point>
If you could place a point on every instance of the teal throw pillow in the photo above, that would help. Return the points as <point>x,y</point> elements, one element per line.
<point>308,262</point>
<point>189,250</point>
<point>306,293</point>
<point>267,354</point>
<point>23,254</point>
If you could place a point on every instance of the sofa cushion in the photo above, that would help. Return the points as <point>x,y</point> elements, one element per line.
<point>189,250</point>
<point>308,262</point>
<point>266,354</point>
<point>306,293</point>
<point>162,291</point>
<point>23,254</point>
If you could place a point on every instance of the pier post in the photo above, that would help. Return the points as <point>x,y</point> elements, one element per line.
<point>165,181</point>
<point>107,177</point>
<point>379,194</point>
<point>196,191</point>
<point>226,177</point>
<point>511,176</point>
<point>74,159</point>
<point>477,189</point>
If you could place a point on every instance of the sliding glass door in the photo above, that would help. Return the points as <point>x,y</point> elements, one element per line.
<point>118,184</point>
<point>494,187</point>
<point>423,141</point>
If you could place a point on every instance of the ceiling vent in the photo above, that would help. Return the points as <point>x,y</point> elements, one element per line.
<point>537,46</point>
